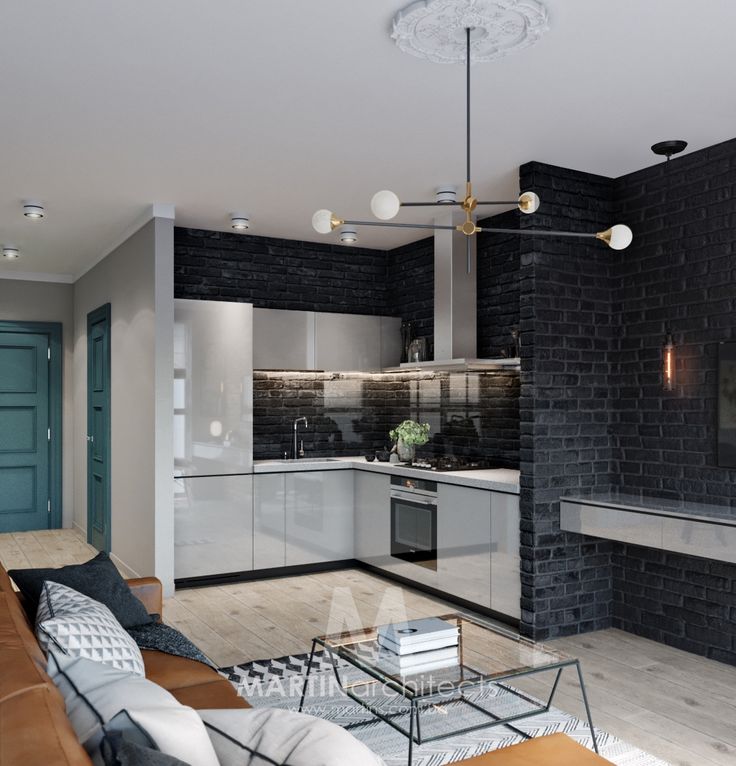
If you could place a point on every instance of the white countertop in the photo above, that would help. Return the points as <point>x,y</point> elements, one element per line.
<point>496,479</point>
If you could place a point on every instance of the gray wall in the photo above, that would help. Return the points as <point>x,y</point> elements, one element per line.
<point>137,280</point>
<point>26,301</point>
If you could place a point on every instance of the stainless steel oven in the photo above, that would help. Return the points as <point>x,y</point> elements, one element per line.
<point>414,521</point>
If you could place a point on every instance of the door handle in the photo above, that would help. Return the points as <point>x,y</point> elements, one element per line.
<point>91,439</point>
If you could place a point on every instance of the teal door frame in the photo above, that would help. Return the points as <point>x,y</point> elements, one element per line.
<point>99,315</point>
<point>53,330</point>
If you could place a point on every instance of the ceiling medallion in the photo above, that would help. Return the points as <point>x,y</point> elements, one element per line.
<point>435,29</point>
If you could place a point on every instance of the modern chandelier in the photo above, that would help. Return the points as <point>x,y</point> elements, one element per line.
<point>385,204</point>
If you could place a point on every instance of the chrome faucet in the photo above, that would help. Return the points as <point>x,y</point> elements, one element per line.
<point>296,452</point>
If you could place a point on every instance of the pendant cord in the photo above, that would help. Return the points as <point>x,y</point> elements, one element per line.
<point>467,106</point>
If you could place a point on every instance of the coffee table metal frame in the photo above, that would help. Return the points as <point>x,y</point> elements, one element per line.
<point>419,701</point>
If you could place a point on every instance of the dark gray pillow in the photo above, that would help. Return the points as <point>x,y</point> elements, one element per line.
<point>98,578</point>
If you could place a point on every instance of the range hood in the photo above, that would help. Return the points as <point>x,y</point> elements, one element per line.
<point>455,304</point>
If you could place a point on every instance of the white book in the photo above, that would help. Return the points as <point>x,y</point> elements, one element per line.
<point>424,646</point>
<point>428,667</point>
<point>417,631</point>
<point>418,659</point>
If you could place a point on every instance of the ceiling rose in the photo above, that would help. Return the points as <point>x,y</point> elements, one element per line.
<point>435,29</point>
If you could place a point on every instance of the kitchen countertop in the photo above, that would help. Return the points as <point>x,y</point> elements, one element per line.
<point>496,479</point>
<point>640,503</point>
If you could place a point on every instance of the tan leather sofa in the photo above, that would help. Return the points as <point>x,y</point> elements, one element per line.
<point>34,729</point>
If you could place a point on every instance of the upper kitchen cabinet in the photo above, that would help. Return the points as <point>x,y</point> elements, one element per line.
<point>283,340</point>
<point>353,342</point>
<point>307,340</point>
<point>213,388</point>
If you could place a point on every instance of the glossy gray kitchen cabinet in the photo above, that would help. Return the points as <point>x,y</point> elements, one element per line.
<point>213,525</point>
<point>269,543</point>
<point>283,340</point>
<point>464,543</point>
<point>347,342</point>
<point>505,560</point>
<point>318,516</point>
<point>372,518</point>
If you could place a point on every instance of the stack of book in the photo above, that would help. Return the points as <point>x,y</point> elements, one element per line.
<point>418,646</point>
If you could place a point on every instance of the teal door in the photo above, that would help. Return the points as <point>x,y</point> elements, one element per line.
<point>25,431</point>
<point>98,428</point>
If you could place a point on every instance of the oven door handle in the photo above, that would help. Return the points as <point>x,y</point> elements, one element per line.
<point>411,498</point>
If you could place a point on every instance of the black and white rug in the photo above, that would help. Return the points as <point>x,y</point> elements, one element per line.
<point>279,683</point>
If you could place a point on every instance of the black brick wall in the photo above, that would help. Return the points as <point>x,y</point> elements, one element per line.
<point>351,413</point>
<point>680,271</point>
<point>569,340</point>
<point>280,273</point>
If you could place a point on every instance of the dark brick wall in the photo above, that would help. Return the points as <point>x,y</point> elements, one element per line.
<point>475,414</point>
<point>569,341</point>
<point>411,285</point>
<point>680,272</point>
<point>678,600</point>
<point>280,273</point>
<point>498,285</point>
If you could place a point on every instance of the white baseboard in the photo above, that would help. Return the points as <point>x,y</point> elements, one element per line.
<point>80,530</point>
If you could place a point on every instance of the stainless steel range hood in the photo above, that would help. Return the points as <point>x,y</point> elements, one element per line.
<point>455,304</point>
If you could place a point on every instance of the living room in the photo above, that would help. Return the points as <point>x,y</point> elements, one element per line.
<point>493,406</point>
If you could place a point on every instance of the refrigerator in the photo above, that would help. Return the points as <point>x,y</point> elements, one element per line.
<point>213,438</point>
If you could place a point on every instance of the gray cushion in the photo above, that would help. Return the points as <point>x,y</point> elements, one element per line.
<point>97,578</point>
<point>95,693</point>
<point>79,626</point>
<point>268,736</point>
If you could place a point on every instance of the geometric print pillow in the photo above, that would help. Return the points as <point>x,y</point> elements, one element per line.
<point>79,626</point>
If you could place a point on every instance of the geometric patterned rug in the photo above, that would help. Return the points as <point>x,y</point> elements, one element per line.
<point>279,682</point>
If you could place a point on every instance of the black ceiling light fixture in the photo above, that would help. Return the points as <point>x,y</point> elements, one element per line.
<point>668,149</point>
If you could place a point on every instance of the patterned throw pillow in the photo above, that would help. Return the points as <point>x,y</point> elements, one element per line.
<point>79,626</point>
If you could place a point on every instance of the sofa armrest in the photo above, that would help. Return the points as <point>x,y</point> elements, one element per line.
<point>150,592</point>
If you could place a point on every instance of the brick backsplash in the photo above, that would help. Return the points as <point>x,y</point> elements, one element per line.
<point>473,414</point>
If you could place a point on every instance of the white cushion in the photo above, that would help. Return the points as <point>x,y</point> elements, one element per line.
<point>95,693</point>
<point>82,627</point>
<point>258,737</point>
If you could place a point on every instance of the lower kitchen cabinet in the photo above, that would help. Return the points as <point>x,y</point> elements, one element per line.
<point>464,551</point>
<point>213,525</point>
<point>318,516</point>
<point>505,560</point>
<point>269,544</point>
<point>302,517</point>
<point>372,518</point>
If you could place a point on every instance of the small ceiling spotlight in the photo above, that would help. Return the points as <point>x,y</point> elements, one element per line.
<point>445,195</point>
<point>33,210</point>
<point>348,235</point>
<point>10,252</point>
<point>239,221</point>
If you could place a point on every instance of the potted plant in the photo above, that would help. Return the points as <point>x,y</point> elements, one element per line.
<point>408,435</point>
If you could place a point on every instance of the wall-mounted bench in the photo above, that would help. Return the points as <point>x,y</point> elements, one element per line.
<point>695,529</point>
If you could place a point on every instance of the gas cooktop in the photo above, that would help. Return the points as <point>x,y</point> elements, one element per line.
<point>451,463</point>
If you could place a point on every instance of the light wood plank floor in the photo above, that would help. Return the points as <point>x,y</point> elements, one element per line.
<point>675,705</point>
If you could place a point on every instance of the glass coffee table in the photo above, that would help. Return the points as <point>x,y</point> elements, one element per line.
<point>473,693</point>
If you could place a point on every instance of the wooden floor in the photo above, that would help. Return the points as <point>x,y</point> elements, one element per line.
<point>675,705</point>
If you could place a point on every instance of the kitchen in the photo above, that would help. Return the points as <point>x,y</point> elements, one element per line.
<point>325,391</point>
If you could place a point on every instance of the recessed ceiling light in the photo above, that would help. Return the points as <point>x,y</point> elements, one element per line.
<point>10,252</point>
<point>33,210</point>
<point>239,221</point>
<point>348,235</point>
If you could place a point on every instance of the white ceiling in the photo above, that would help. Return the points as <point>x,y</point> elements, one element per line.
<point>279,108</point>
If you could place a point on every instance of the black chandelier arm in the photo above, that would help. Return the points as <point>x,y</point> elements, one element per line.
<point>540,233</point>
<point>514,202</point>
<point>431,204</point>
<point>399,225</point>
